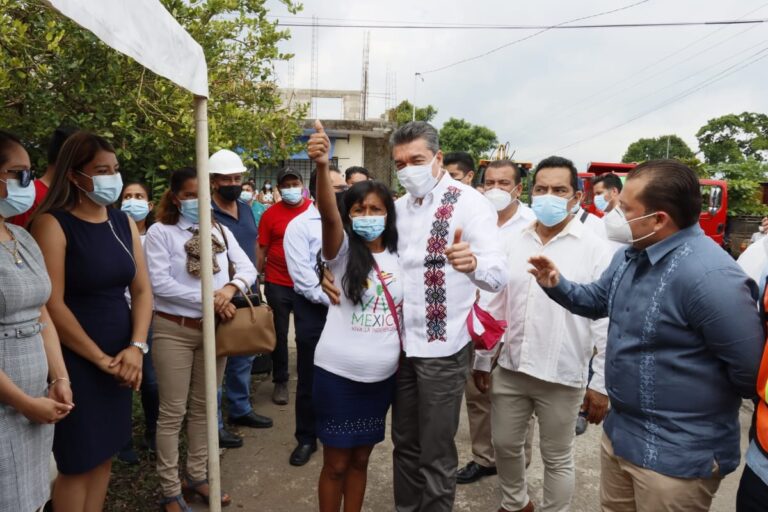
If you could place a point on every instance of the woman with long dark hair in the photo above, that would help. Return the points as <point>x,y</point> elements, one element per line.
<point>357,355</point>
<point>93,253</point>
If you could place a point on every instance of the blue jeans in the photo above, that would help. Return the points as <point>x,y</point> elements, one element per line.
<point>237,380</point>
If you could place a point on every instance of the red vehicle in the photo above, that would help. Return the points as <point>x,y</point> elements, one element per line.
<point>714,193</point>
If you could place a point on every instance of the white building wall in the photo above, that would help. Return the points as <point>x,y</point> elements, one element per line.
<point>349,153</point>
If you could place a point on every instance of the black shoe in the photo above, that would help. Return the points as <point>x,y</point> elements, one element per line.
<point>473,472</point>
<point>301,454</point>
<point>128,456</point>
<point>229,440</point>
<point>252,420</point>
<point>150,443</point>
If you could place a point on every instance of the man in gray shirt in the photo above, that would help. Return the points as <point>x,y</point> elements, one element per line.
<point>684,345</point>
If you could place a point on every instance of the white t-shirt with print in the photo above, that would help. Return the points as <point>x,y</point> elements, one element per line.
<point>360,341</point>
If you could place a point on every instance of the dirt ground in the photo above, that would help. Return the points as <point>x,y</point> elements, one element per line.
<point>259,478</point>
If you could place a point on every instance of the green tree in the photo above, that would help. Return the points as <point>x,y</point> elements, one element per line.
<point>744,191</point>
<point>403,113</point>
<point>53,71</point>
<point>460,135</point>
<point>665,146</point>
<point>734,138</point>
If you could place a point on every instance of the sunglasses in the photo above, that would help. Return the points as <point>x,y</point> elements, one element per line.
<point>23,175</point>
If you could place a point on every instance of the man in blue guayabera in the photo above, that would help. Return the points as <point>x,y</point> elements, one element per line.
<point>684,345</point>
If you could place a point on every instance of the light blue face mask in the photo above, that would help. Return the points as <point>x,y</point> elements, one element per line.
<point>291,195</point>
<point>190,210</point>
<point>106,188</point>
<point>550,210</point>
<point>601,203</point>
<point>138,209</point>
<point>18,200</point>
<point>369,227</point>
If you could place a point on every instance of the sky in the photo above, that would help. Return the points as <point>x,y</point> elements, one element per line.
<point>584,94</point>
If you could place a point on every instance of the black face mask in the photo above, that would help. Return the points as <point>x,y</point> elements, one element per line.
<point>230,192</point>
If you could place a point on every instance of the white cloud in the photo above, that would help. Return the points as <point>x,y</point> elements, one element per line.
<point>526,93</point>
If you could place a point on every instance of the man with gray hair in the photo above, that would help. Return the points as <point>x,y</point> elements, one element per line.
<point>448,247</point>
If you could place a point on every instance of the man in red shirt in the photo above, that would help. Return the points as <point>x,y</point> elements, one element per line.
<point>61,134</point>
<point>270,260</point>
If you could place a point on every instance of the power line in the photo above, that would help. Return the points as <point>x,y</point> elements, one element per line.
<point>752,59</point>
<point>632,77</point>
<point>670,24</point>
<point>531,36</point>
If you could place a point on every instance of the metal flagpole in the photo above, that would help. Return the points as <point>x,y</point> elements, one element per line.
<point>206,274</point>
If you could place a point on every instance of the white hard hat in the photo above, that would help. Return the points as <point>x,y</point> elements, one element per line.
<point>225,161</point>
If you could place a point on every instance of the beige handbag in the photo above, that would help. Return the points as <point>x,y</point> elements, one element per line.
<point>252,330</point>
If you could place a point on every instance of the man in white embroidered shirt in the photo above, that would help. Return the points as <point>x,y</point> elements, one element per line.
<point>448,247</point>
<point>543,362</point>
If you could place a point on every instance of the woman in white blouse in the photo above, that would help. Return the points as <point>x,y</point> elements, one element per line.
<point>172,249</point>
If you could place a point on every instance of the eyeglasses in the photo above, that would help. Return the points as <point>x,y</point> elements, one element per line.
<point>23,175</point>
<point>340,188</point>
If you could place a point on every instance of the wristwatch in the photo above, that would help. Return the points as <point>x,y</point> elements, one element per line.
<point>141,346</point>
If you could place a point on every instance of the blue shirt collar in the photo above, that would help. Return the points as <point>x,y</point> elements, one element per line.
<point>660,249</point>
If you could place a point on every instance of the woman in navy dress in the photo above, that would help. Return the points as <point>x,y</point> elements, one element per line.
<point>93,253</point>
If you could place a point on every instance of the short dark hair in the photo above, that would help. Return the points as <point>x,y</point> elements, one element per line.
<point>558,161</point>
<point>356,169</point>
<point>409,132</point>
<point>609,180</point>
<point>462,159</point>
<point>670,187</point>
<point>498,164</point>
<point>58,138</point>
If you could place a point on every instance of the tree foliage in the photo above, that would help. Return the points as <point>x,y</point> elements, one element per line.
<point>656,147</point>
<point>53,71</point>
<point>744,190</point>
<point>734,138</point>
<point>403,113</point>
<point>460,135</point>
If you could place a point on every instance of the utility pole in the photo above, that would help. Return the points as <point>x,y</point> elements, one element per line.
<point>415,83</point>
<point>668,147</point>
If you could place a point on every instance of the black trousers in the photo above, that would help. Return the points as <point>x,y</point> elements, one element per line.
<point>753,493</point>
<point>309,322</point>
<point>281,299</point>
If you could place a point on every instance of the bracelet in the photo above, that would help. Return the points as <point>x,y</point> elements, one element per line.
<point>54,381</point>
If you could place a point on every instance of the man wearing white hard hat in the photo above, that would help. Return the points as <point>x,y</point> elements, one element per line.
<point>227,169</point>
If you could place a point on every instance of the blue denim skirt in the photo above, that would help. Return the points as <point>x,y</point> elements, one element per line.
<point>349,413</point>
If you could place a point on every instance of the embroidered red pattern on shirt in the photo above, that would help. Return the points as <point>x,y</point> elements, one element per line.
<point>434,263</point>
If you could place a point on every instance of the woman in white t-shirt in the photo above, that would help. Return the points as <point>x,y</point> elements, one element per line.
<point>357,356</point>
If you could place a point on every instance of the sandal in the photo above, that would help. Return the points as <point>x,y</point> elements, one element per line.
<point>194,487</point>
<point>179,500</point>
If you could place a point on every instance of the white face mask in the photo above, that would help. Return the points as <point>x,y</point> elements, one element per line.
<point>418,179</point>
<point>500,198</point>
<point>617,227</point>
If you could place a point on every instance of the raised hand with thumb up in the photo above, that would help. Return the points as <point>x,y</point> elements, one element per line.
<point>319,145</point>
<point>460,254</point>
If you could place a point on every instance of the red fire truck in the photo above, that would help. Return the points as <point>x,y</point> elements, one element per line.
<point>714,208</point>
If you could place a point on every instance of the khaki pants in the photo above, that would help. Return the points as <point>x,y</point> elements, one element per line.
<point>625,487</point>
<point>479,415</point>
<point>177,353</point>
<point>514,397</point>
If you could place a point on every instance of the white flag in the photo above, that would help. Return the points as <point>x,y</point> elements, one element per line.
<point>145,31</point>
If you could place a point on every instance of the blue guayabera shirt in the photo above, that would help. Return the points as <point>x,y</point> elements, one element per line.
<point>684,345</point>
